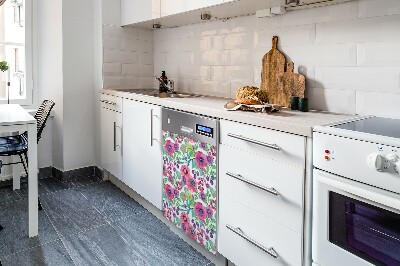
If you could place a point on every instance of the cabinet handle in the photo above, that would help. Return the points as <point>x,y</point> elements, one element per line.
<point>270,251</point>
<point>115,136</point>
<point>239,177</point>
<point>267,145</point>
<point>108,102</point>
<point>151,127</point>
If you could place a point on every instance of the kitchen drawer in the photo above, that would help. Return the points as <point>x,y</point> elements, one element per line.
<point>111,102</point>
<point>267,186</point>
<point>274,144</point>
<point>285,243</point>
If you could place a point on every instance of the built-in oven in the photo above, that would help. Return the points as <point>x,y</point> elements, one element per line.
<point>354,223</point>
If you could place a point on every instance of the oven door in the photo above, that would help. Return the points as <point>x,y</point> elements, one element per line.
<point>353,223</point>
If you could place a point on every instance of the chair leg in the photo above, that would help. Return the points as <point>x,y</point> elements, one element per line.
<point>26,171</point>
<point>23,163</point>
<point>1,227</point>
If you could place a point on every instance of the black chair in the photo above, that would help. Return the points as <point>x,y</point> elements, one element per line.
<point>18,145</point>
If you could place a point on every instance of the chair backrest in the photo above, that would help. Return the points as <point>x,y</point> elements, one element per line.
<point>41,116</point>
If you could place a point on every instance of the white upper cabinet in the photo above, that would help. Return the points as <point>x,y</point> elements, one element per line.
<point>172,7</point>
<point>134,11</point>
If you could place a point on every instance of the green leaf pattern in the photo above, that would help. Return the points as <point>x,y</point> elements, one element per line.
<point>189,187</point>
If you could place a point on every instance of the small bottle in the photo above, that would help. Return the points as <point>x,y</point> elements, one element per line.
<point>163,78</point>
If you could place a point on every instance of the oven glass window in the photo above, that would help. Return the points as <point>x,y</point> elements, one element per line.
<point>367,231</point>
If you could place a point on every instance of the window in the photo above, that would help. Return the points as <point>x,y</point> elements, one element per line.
<point>16,49</point>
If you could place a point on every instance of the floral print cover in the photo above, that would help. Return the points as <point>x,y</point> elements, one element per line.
<point>189,187</point>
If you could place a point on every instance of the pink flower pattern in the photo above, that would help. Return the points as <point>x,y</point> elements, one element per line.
<point>189,187</point>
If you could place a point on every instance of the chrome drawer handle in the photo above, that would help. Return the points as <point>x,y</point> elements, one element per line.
<point>108,102</point>
<point>239,177</point>
<point>240,233</point>
<point>267,145</point>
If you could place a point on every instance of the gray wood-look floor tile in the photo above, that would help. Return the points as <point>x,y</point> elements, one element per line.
<point>53,253</point>
<point>101,246</point>
<point>155,242</point>
<point>78,182</point>
<point>51,185</point>
<point>110,201</point>
<point>14,236</point>
<point>70,211</point>
<point>7,194</point>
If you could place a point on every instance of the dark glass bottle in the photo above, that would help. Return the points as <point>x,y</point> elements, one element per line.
<point>163,78</point>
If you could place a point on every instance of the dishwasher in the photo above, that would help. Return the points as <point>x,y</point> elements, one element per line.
<point>190,174</point>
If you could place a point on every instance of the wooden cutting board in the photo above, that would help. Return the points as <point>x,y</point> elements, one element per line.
<point>273,68</point>
<point>292,84</point>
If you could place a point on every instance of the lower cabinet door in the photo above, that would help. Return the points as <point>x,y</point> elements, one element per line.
<point>246,237</point>
<point>111,137</point>
<point>190,187</point>
<point>142,149</point>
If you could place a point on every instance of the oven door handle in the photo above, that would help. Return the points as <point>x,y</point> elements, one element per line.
<point>369,193</point>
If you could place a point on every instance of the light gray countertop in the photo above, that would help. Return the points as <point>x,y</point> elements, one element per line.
<point>299,123</point>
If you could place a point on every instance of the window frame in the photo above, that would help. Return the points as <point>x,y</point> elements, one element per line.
<point>29,57</point>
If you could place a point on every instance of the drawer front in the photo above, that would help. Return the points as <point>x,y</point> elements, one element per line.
<point>280,146</point>
<point>285,244</point>
<point>273,188</point>
<point>111,102</point>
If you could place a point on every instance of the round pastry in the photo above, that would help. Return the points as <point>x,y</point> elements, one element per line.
<point>246,91</point>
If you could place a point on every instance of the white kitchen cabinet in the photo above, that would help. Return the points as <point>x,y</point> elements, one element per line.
<point>134,11</point>
<point>111,152</point>
<point>142,166</point>
<point>172,7</point>
<point>261,195</point>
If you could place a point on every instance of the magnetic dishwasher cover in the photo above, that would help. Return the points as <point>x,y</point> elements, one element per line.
<point>190,159</point>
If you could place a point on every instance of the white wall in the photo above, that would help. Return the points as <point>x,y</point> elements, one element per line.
<point>50,78</point>
<point>349,53</point>
<point>66,75</point>
<point>78,83</point>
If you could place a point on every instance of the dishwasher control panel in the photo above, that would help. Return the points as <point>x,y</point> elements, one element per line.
<point>194,126</point>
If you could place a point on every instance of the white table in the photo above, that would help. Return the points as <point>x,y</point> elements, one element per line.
<point>15,118</point>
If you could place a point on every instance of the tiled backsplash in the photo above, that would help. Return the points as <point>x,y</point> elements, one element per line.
<point>350,54</point>
<point>127,57</point>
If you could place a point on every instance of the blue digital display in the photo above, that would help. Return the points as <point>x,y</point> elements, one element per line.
<point>203,130</point>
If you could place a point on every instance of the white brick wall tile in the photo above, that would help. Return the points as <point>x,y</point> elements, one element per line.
<point>184,85</point>
<point>209,28</point>
<point>116,56</point>
<point>112,69</point>
<point>309,73</point>
<point>382,54</point>
<point>196,43</point>
<point>375,8</point>
<point>137,70</point>
<point>288,36</point>
<point>145,83</point>
<point>185,58</point>
<point>322,55</point>
<point>112,82</point>
<point>145,35</point>
<point>231,73</point>
<point>380,104</point>
<point>213,58</point>
<point>137,45</point>
<point>239,41</point>
<point>381,29</point>
<point>378,79</point>
<point>213,88</point>
<point>129,82</point>
<point>195,72</point>
<point>241,57</point>
<point>111,43</point>
<point>146,58</point>
<point>338,101</point>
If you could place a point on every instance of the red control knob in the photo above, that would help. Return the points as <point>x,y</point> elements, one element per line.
<point>327,151</point>
<point>327,158</point>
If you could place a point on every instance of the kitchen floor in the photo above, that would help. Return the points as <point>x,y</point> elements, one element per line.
<point>87,222</point>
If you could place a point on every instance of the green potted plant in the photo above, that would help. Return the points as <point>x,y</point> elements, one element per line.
<point>3,66</point>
